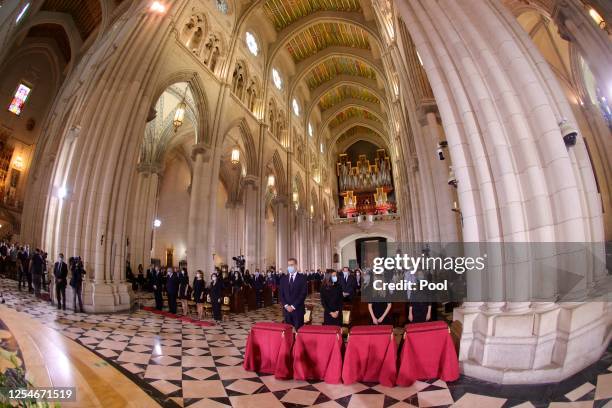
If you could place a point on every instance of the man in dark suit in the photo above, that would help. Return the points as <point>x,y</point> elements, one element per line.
<point>348,284</point>
<point>259,282</point>
<point>292,295</point>
<point>60,271</point>
<point>157,284</point>
<point>37,267</point>
<point>172,289</point>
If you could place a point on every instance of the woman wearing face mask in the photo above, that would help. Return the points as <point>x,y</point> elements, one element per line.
<point>215,291</point>
<point>331,299</point>
<point>198,291</point>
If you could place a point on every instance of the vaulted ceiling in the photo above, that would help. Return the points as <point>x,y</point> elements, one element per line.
<point>336,54</point>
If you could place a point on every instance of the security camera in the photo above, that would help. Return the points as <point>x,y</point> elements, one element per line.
<point>441,145</point>
<point>568,132</point>
<point>452,180</point>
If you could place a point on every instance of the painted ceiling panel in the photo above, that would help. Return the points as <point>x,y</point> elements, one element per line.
<point>284,12</point>
<point>320,36</point>
<point>331,68</point>
<point>350,113</point>
<point>338,94</point>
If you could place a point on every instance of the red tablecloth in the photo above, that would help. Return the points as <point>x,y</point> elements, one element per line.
<point>371,356</point>
<point>317,354</point>
<point>428,352</point>
<point>268,349</point>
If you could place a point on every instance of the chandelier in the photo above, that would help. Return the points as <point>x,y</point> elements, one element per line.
<point>235,156</point>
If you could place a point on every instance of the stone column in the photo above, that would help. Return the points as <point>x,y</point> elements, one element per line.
<point>281,223</point>
<point>199,241</point>
<point>143,214</point>
<point>250,186</point>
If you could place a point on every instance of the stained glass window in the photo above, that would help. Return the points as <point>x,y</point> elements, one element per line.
<point>222,6</point>
<point>252,43</point>
<point>20,98</point>
<point>296,107</point>
<point>278,82</point>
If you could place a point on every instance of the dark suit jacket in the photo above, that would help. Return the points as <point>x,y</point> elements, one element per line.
<point>172,284</point>
<point>215,291</point>
<point>294,294</point>
<point>157,279</point>
<point>258,282</point>
<point>60,271</point>
<point>349,285</point>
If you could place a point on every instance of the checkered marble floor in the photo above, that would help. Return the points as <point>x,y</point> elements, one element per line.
<point>185,365</point>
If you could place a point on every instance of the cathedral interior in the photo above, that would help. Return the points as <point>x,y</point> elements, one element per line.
<point>225,135</point>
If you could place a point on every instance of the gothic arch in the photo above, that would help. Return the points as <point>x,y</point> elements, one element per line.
<point>248,144</point>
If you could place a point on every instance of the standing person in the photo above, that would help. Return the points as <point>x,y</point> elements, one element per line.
<point>348,284</point>
<point>198,292</point>
<point>60,271</point>
<point>37,268</point>
<point>157,283</point>
<point>380,312</point>
<point>293,291</point>
<point>183,283</point>
<point>140,277</point>
<point>331,299</point>
<point>22,267</point>
<point>172,289</point>
<point>215,291</point>
<point>258,284</point>
<point>76,282</point>
<point>358,281</point>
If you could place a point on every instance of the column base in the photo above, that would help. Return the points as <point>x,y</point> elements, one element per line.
<point>103,297</point>
<point>537,345</point>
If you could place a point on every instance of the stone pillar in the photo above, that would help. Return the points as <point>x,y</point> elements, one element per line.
<point>199,241</point>
<point>143,215</point>
<point>281,224</point>
<point>501,106</point>
<point>251,206</point>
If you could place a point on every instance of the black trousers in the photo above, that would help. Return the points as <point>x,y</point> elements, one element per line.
<point>77,294</point>
<point>23,277</point>
<point>159,300</point>
<point>172,302</point>
<point>259,298</point>
<point>60,295</point>
<point>216,309</point>
<point>295,318</point>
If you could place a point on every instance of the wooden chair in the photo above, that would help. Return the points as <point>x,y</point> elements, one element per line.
<point>207,306</point>
<point>346,321</point>
<point>308,314</point>
<point>225,307</point>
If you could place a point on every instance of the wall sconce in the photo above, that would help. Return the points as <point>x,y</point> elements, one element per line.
<point>18,163</point>
<point>311,211</point>
<point>296,201</point>
<point>271,181</point>
<point>457,210</point>
<point>157,223</point>
<point>235,157</point>
<point>179,116</point>
<point>452,180</point>
<point>62,192</point>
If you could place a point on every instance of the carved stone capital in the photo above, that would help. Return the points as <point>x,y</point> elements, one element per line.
<point>280,199</point>
<point>425,107</point>
<point>249,180</point>
<point>149,168</point>
<point>200,148</point>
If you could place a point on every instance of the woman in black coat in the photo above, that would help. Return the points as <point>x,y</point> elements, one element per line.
<point>331,299</point>
<point>215,291</point>
<point>198,291</point>
<point>183,283</point>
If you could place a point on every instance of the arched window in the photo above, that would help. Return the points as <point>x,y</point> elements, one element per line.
<point>222,6</point>
<point>296,107</point>
<point>193,33</point>
<point>276,78</point>
<point>251,43</point>
<point>212,51</point>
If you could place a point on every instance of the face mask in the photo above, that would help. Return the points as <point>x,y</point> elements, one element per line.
<point>334,279</point>
<point>291,269</point>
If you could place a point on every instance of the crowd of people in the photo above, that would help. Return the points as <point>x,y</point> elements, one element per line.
<point>289,289</point>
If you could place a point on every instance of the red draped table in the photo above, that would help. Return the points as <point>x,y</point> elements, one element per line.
<point>268,349</point>
<point>371,355</point>
<point>317,354</point>
<point>428,352</point>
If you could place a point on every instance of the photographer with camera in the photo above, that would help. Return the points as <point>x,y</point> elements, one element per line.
<point>76,282</point>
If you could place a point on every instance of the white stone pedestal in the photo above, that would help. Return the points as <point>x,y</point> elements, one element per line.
<point>537,345</point>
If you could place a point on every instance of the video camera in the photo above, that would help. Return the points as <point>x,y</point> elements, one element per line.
<point>240,262</point>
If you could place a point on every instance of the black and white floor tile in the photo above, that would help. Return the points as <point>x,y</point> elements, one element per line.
<point>185,365</point>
